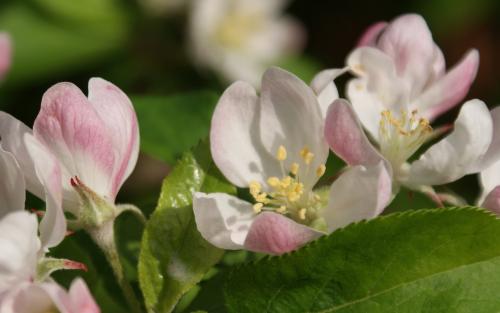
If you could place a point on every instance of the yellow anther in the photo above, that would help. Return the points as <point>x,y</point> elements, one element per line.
<point>285,182</point>
<point>302,213</point>
<point>320,171</point>
<point>298,188</point>
<point>281,154</point>
<point>304,152</point>
<point>262,197</point>
<point>294,169</point>
<point>308,158</point>
<point>273,181</point>
<point>293,196</point>
<point>255,188</point>
<point>257,208</point>
<point>281,209</point>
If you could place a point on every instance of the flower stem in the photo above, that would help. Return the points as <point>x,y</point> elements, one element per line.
<point>105,239</point>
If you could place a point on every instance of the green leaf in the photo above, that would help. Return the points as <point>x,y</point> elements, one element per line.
<point>174,256</point>
<point>442,260</point>
<point>172,125</point>
<point>58,36</point>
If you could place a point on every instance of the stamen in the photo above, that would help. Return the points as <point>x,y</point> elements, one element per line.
<point>255,188</point>
<point>320,171</point>
<point>302,213</point>
<point>257,208</point>
<point>273,181</point>
<point>281,154</point>
<point>401,137</point>
<point>281,209</point>
<point>287,194</point>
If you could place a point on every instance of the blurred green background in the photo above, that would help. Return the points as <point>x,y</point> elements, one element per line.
<point>143,50</point>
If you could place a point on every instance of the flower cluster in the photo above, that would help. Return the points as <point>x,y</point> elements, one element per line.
<point>272,143</point>
<point>276,144</point>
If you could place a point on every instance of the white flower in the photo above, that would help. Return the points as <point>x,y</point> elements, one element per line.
<point>24,269</point>
<point>240,38</point>
<point>274,145</point>
<point>470,147</point>
<point>399,67</point>
<point>90,143</point>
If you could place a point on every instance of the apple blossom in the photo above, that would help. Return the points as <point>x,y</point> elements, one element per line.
<point>241,38</point>
<point>93,144</point>
<point>399,63</point>
<point>471,146</point>
<point>24,268</point>
<point>49,297</point>
<point>274,145</point>
<point>5,54</point>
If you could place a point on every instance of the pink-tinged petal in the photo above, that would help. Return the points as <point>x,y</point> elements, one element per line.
<point>5,54</point>
<point>223,220</point>
<point>117,113</point>
<point>458,154</point>
<point>19,245</point>
<point>408,42</point>
<point>370,36</point>
<point>234,137</point>
<point>50,297</point>
<point>492,201</point>
<point>438,65</point>
<point>449,90</point>
<point>72,130</point>
<point>373,188</point>
<point>12,133</point>
<point>12,187</point>
<point>291,117</point>
<point>28,298</point>
<point>53,224</point>
<point>346,137</point>
<point>81,299</point>
<point>325,89</point>
<point>276,234</point>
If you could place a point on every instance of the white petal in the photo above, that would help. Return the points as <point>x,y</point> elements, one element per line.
<point>378,88</point>
<point>118,115</point>
<point>11,133</point>
<point>490,178</point>
<point>459,153</point>
<point>223,220</point>
<point>373,191</point>
<point>12,187</point>
<point>291,117</point>
<point>19,245</point>
<point>446,92</point>
<point>28,298</point>
<point>234,137</point>
<point>53,224</point>
<point>325,88</point>
<point>493,153</point>
<point>408,42</point>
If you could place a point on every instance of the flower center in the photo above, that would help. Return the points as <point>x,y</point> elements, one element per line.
<point>401,137</point>
<point>234,29</point>
<point>287,195</point>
